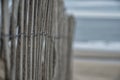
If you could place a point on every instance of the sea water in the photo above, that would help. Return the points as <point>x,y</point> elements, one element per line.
<point>97,33</point>
<point>97,23</point>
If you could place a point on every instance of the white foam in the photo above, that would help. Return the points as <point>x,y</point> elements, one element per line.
<point>94,14</point>
<point>99,45</point>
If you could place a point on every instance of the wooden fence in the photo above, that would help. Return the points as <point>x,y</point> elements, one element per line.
<point>35,40</point>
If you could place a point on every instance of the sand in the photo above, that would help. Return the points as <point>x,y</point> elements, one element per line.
<point>96,65</point>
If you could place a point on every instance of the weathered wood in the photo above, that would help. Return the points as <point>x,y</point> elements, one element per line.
<point>35,39</point>
<point>39,40</point>
<point>71,24</point>
<point>26,20</point>
<point>19,60</point>
<point>5,32</point>
<point>13,27</point>
<point>2,69</point>
<point>30,38</point>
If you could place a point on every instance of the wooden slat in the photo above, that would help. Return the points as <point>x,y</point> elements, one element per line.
<point>35,40</point>
<point>13,27</point>
<point>26,20</point>
<point>19,55</point>
<point>5,32</point>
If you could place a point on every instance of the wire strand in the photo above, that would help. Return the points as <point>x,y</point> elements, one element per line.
<point>33,35</point>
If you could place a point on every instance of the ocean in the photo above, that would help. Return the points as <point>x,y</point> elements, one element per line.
<point>97,33</point>
<point>97,24</point>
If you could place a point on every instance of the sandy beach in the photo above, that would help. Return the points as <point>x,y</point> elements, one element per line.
<point>96,65</point>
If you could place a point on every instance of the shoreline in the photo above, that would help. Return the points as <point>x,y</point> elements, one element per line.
<point>102,54</point>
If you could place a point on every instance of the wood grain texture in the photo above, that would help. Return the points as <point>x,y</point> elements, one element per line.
<point>36,45</point>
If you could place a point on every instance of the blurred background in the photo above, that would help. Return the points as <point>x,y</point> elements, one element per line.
<point>96,45</point>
